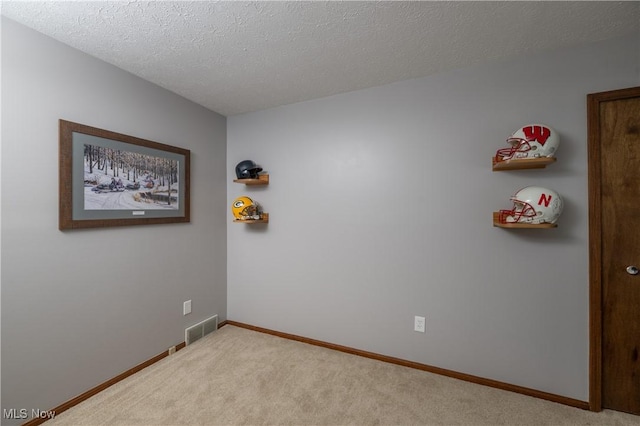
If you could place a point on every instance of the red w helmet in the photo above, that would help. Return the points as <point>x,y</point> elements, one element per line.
<point>530,141</point>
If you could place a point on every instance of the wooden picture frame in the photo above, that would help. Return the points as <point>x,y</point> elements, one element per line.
<point>110,179</point>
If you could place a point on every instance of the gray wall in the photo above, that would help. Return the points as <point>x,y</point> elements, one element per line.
<point>80,307</point>
<point>381,203</point>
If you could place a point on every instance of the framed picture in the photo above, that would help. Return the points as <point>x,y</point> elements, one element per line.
<point>111,179</point>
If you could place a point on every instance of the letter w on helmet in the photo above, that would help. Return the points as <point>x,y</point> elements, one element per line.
<point>537,133</point>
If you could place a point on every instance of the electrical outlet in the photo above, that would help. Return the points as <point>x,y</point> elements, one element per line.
<point>186,308</point>
<point>419,324</point>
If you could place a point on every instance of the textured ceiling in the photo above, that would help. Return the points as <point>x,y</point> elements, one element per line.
<point>236,57</point>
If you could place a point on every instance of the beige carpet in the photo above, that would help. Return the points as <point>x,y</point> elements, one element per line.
<point>241,377</point>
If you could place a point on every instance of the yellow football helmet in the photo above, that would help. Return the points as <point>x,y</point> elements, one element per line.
<point>243,208</point>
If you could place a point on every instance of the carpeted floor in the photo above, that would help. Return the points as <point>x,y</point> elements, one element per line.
<point>241,377</point>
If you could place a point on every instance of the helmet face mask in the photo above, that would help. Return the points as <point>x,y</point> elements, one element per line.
<point>519,149</point>
<point>247,169</point>
<point>530,141</point>
<point>534,205</point>
<point>520,213</point>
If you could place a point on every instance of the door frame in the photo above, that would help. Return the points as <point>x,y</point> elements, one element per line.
<point>595,237</point>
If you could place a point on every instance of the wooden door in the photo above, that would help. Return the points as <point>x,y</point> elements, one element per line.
<point>614,193</point>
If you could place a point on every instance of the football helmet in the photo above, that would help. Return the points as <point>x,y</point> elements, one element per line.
<point>535,205</point>
<point>243,208</point>
<point>247,169</point>
<point>530,141</point>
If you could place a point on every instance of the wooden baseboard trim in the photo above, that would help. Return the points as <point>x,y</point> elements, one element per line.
<point>91,392</point>
<point>424,367</point>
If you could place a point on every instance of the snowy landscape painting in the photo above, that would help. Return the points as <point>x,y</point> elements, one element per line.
<point>111,179</point>
<point>117,180</point>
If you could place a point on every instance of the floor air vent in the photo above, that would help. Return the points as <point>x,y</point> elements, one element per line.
<point>201,329</point>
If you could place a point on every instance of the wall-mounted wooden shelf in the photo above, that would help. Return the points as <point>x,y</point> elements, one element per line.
<point>262,180</point>
<point>496,222</point>
<point>521,164</point>
<point>264,219</point>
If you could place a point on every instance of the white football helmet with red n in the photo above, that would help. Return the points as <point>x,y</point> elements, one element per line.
<point>530,141</point>
<point>535,205</point>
